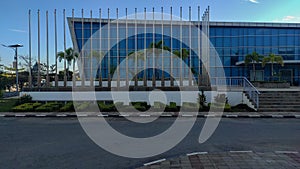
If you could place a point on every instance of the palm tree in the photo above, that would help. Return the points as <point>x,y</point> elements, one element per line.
<point>253,58</point>
<point>70,55</point>
<point>272,58</point>
<point>183,54</point>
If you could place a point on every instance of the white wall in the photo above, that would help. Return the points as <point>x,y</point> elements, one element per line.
<point>234,98</point>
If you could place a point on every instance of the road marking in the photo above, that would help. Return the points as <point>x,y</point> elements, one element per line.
<point>210,115</point>
<point>277,116</point>
<point>40,115</point>
<point>187,115</point>
<point>166,115</point>
<point>232,115</point>
<point>124,115</point>
<point>20,115</point>
<point>153,162</point>
<point>196,153</point>
<point>61,115</point>
<point>254,116</point>
<point>286,152</point>
<point>144,115</point>
<point>249,151</point>
<point>101,115</point>
<point>82,115</point>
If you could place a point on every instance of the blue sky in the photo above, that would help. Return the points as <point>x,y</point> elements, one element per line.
<point>14,16</point>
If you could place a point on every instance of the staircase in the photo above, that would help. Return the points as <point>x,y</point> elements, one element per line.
<point>279,101</point>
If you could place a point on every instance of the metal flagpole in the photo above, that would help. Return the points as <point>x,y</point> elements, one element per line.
<point>171,48</point>
<point>145,51</point>
<point>39,52</point>
<point>29,64</point>
<point>126,29</point>
<point>190,48</point>
<point>108,49</point>
<point>199,52</point>
<point>180,80</point>
<point>74,59</point>
<point>47,46</point>
<point>55,46</point>
<point>91,50</point>
<point>153,50</point>
<point>82,50</point>
<point>65,48</point>
<point>162,48</point>
<point>118,51</point>
<point>100,48</point>
<point>135,48</point>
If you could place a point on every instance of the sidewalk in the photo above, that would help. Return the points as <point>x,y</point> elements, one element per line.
<point>230,160</point>
<point>155,114</point>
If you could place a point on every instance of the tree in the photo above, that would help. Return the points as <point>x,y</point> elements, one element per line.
<point>272,58</point>
<point>253,58</point>
<point>70,55</point>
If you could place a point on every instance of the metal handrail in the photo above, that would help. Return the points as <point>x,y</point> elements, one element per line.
<point>242,82</point>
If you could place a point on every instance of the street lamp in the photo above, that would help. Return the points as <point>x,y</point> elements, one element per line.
<point>15,48</point>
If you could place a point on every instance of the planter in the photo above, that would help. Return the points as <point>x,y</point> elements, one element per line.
<point>272,84</point>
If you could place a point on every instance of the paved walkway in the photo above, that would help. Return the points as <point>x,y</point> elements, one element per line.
<point>155,114</point>
<point>230,160</point>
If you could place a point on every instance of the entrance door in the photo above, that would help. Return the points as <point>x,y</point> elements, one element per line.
<point>259,75</point>
<point>286,75</point>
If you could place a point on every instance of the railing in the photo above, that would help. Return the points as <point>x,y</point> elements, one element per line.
<point>238,82</point>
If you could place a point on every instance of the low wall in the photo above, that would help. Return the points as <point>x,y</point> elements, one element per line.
<point>272,84</point>
<point>234,97</point>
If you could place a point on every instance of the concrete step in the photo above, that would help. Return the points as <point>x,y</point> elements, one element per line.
<point>279,101</point>
<point>278,110</point>
<point>276,102</point>
<point>280,106</point>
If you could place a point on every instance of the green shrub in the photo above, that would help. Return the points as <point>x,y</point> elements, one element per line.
<point>218,106</point>
<point>81,106</point>
<point>24,99</point>
<point>26,107</point>
<point>242,108</point>
<point>69,107</point>
<point>106,107</point>
<point>202,99</point>
<point>189,106</point>
<point>49,107</point>
<point>140,106</point>
<point>172,107</point>
<point>1,93</point>
<point>158,105</point>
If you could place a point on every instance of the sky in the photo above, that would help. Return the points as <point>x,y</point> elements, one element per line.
<point>14,17</point>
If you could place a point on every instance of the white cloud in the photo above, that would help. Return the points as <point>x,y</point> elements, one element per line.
<point>17,30</point>
<point>254,1</point>
<point>288,19</point>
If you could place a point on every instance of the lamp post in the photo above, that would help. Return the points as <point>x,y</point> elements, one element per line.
<point>15,48</point>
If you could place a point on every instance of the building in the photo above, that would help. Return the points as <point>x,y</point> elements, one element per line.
<point>231,40</point>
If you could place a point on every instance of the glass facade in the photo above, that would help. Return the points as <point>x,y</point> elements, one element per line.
<point>232,41</point>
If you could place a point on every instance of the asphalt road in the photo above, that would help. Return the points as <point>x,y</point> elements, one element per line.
<point>62,143</point>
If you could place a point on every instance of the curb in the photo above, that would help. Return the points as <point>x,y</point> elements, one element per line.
<point>146,115</point>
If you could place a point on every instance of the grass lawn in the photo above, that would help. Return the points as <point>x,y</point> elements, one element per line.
<point>7,104</point>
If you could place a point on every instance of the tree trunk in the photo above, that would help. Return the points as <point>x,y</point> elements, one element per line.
<point>254,75</point>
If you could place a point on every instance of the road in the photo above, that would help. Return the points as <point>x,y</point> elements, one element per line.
<point>62,143</point>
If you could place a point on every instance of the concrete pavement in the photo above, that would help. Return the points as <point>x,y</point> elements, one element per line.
<point>230,160</point>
